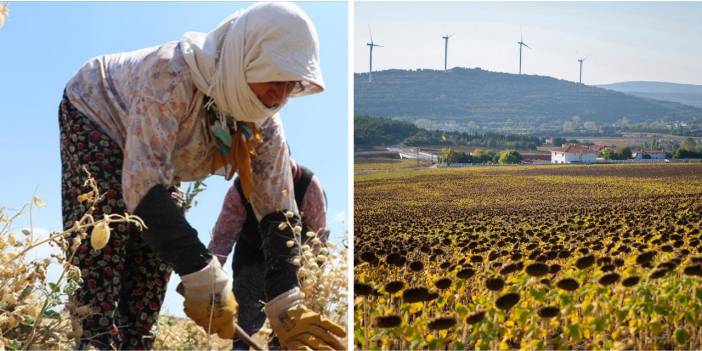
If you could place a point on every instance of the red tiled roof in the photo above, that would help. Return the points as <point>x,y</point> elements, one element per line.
<point>575,149</point>
<point>654,152</point>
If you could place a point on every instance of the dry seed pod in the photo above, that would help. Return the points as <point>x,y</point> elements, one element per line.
<point>554,268</point>
<point>475,317</point>
<point>442,323</point>
<point>412,295</point>
<point>510,268</point>
<point>369,257</point>
<point>443,283</point>
<point>362,289</point>
<point>645,257</point>
<point>631,281</point>
<point>658,273</point>
<point>507,301</point>
<point>549,312</point>
<point>494,284</point>
<point>585,261</point>
<point>465,273</point>
<point>387,321</point>
<point>100,235</point>
<point>607,268</point>
<point>693,270</point>
<point>568,284</point>
<point>416,266</point>
<point>393,287</point>
<point>609,279</point>
<point>537,269</point>
<point>395,259</point>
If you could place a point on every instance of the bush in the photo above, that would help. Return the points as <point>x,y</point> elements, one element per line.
<point>509,157</point>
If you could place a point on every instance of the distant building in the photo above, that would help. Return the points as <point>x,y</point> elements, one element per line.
<point>650,154</point>
<point>598,148</point>
<point>536,158</point>
<point>573,154</point>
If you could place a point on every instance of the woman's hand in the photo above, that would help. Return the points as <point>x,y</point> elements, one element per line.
<point>300,328</point>
<point>209,300</point>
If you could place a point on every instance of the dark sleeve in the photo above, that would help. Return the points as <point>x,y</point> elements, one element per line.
<point>281,273</point>
<point>169,234</point>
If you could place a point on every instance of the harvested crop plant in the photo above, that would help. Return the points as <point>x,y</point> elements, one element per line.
<point>550,257</point>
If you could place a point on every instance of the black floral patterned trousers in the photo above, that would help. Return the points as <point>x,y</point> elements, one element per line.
<point>124,283</point>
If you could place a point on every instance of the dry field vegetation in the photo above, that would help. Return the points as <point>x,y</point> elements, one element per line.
<point>34,313</point>
<point>531,257</point>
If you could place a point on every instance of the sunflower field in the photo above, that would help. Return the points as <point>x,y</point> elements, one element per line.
<point>528,257</point>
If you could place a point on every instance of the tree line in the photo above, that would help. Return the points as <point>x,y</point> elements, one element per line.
<point>378,131</point>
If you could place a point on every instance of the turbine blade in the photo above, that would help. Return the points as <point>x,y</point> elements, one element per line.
<point>370,33</point>
<point>526,45</point>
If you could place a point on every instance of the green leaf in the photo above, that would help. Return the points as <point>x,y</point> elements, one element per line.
<point>662,309</point>
<point>461,309</point>
<point>415,342</point>
<point>681,335</point>
<point>434,344</point>
<point>600,323</point>
<point>575,332</point>
<point>656,326</point>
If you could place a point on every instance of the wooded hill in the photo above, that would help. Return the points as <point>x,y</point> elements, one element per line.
<point>451,100</point>
<point>687,94</point>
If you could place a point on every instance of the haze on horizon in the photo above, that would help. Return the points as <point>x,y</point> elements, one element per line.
<point>626,41</point>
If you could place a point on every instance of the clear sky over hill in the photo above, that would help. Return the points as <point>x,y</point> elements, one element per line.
<point>43,44</point>
<point>656,41</point>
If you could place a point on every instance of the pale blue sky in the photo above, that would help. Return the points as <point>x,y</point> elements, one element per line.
<point>626,41</point>
<point>43,44</point>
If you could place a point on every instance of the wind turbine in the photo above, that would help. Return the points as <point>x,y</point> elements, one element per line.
<point>371,45</point>
<point>521,43</point>
<point>581,68</point>
<point>446,38</point>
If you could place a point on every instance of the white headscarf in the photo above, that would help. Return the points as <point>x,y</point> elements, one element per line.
<point>267,42</point>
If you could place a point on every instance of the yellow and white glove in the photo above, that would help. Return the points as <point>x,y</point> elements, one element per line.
<point>203,287</point>
<point>299,328</point>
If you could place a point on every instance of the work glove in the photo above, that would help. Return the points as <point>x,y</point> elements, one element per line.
<point>209,300</point>
<point>299,328</point>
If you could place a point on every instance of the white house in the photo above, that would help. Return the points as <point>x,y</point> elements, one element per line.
<point>573,154</point>
<point>652,154</point>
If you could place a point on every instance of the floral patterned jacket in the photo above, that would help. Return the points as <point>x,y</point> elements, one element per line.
<point>146,101</point>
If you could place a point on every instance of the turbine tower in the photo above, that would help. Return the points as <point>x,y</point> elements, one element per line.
<point>521,43</point>
<point>446,38</point>
<point>581,69</point>
<point>370,46</point>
